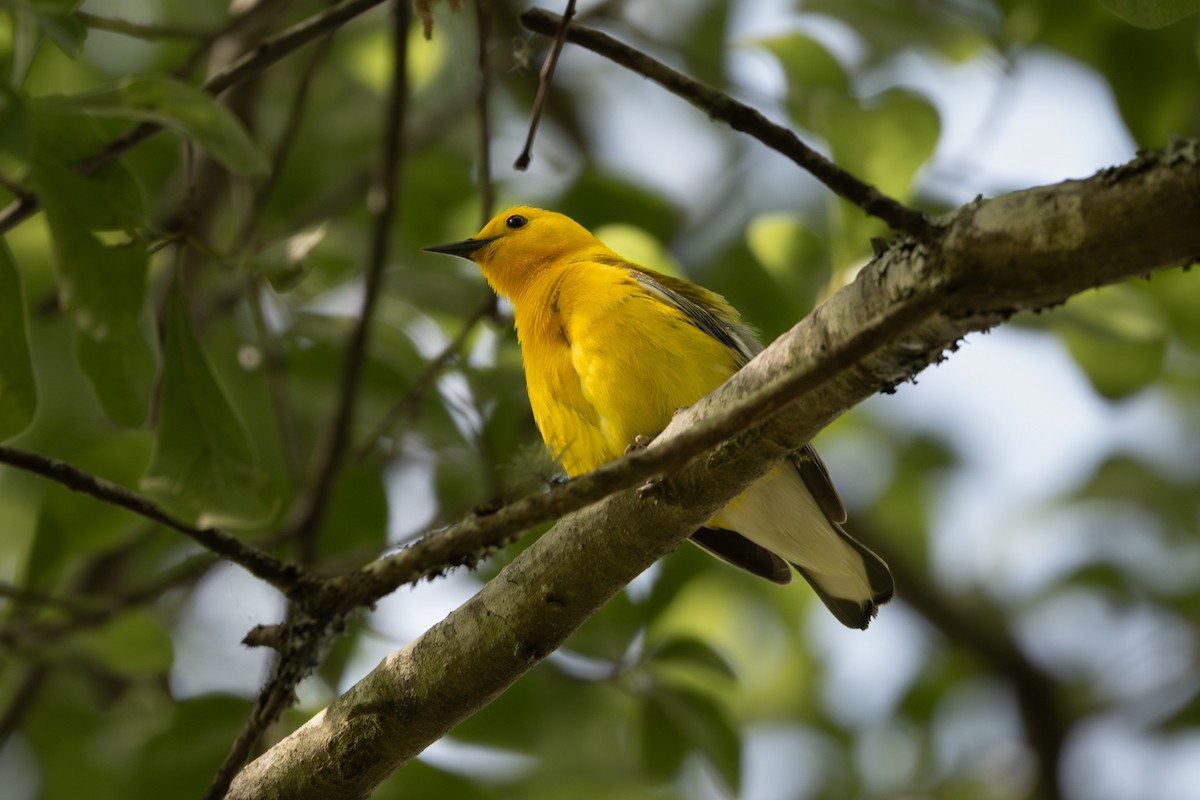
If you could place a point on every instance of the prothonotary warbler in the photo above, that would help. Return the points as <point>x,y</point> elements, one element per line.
<point>612,349</point>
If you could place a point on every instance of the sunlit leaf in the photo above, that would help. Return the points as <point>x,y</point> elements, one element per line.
<point>816,82</point>
<point>204,465</point>
<point>1117,337</point>
<point>791,253</point>
<point>18,390</point>
<point>886,140</point>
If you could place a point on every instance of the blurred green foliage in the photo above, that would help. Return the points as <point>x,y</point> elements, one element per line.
<point>176,320</point>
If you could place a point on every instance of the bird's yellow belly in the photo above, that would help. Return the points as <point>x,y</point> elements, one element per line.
<point>617,374</point>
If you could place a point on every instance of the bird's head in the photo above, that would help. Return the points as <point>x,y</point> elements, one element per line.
<point>518,244</point>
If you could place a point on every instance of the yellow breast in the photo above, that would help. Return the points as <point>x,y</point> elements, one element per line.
<point>606,361</point>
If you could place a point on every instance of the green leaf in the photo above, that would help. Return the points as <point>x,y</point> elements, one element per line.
<point>181,107</point>
<point>1117,336</point>
<point>184,756</point>
<point>16,127</point>
<point>18,390</point>
<point>691,651</point>
<point>58,21</point>
<point>121,370</point>
<point>204,466</point>
<point>358,512</point>
<point>792,254</point>
<point>815,79</point>
<point>675,715</point>
<point>103,285</point>
<point>885,140</point>
<point>133,643</point>
<point>608,633</point>
<point>1152,13</point>
<point>664,745</point>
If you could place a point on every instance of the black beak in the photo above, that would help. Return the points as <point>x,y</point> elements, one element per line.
<point>464,249</point>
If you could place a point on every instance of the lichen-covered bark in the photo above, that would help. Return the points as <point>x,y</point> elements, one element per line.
<point>1027,250</point>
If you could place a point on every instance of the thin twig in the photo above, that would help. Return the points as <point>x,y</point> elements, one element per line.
<point>547,74</point>
<point>267,53</point>
<point>287,577</point>
<point>275,357</point>
<point>311,509</point>
<point>306,635</point>
<point>106,608</point>
<point>283,147</point>
<point>487,191</point>
<point>740,117</point>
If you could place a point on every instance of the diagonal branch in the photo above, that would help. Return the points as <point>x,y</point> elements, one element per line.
<point>285,576</point>
<point>740,117</point>
<point>544,79</point>
<point>311,511</point>
<point>1024,251</point>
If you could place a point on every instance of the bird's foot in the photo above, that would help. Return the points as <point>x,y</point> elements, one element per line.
<point>639,443</point>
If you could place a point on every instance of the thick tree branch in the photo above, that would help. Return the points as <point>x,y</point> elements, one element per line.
<point>1027,250</point>
<point>740,117</point>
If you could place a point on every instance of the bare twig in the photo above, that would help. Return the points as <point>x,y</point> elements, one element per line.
<point>487,192</point>
<point>274,354</point>
<point>312,507</point>
<point>287,577</point>
<point>740,117</point>
<point>547,74</point>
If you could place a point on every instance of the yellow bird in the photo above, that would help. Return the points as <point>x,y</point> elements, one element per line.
<point>611,350</point>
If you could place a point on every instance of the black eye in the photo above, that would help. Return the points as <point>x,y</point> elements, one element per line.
<point>516,221</point>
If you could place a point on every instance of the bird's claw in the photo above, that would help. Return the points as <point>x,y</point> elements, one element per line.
<point>639,443</point>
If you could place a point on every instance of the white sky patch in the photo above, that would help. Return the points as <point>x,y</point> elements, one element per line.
<point>209,656</point>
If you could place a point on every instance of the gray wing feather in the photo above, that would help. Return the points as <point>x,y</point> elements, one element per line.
<point>737,337</point>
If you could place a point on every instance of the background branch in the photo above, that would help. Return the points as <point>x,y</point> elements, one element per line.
<point>287,577</point>
<point>740,117</point>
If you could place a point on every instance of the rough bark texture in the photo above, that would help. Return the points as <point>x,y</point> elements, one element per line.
<point>1028,250</point>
